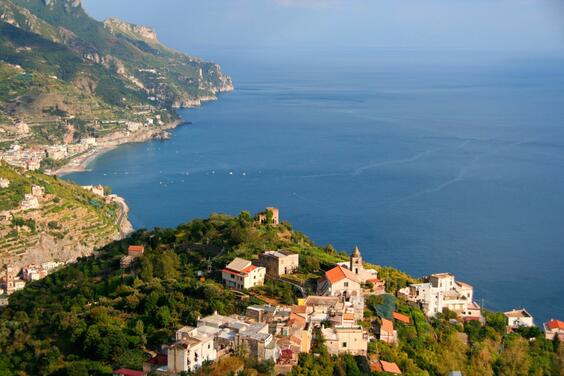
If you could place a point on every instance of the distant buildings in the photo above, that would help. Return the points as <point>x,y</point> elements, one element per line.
<point>386,367</point>
<point>192,348</point>
<point>518,318</point>
<point>29,202</point>
<point>278,263</point>
<point>441,291</point>
<point>133,252</point>
<point>4,183</point>
<point>270,215</point>
<point>554,328</point>
<point>242,274</point>
<point>365,276</point>
<point>98,190</point>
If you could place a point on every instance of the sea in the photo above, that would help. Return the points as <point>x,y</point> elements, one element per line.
<point>429,162</point>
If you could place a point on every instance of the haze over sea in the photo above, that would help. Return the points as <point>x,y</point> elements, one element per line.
<point>430,160</point>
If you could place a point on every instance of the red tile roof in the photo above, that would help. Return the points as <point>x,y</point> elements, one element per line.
<point>136,248</point>
<point>339,273</point>
<point>248,269</point>
<point>555,324</point>
<point>128,372</point>
<point>382,366</point>
<point>387,326</point>
<point>401,317</point>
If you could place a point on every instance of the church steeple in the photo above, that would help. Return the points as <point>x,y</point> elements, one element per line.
<point>356,262</point>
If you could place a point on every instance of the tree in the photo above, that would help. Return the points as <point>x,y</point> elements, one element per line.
<point>514,360</point>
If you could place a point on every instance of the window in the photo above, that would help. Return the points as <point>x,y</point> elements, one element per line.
<point>344,344</point>
<point>346,284</point>
<point>233,276</point>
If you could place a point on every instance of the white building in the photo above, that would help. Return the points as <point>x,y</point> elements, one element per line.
<point>441,291</point>
<point>340,281</point>
<point>4,183</point>
<point>29,202</point>
<point>518,318</point>
<point>242,274</point>
<point>356,265</point>
<point>192,348</point>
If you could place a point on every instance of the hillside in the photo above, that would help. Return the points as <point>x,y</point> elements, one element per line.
<point>91,316</point>
<point>61,67</point>
<point>55,221</point>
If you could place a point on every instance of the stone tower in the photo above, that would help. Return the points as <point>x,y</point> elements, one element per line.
<point>356,262</point>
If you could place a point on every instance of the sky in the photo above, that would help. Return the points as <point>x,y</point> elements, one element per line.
<point>210,27</point>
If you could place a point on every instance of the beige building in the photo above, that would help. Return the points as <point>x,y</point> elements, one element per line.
<point>341,340</point>
<point>4,183</point>
<point>554,328</point>
<point>242,274</point>
<point>278,263</point>
<point>262,217</point>
<point>193,347</point>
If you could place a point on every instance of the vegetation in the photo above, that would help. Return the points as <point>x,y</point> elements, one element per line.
<point>60,67</point>
<point>91,317</point>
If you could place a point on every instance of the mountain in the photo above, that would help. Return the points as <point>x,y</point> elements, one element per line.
<point>45,219</point>
<point>62,67</point>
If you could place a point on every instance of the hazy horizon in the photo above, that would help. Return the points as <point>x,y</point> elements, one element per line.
<point>212,29</point>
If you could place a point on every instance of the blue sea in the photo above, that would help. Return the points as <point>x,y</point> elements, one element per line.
<point>428,162</point>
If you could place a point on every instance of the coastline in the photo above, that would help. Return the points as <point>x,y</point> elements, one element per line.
<point>81,162</point>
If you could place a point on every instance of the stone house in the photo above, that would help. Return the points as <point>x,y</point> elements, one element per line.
<point>341,340</point>
<point>262,217</point>
<point>278,263</point>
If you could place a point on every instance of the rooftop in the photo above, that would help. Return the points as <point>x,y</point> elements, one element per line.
<point>339,273</point>
<point>555,325</point>
<point>519,313</point>
<point>239,265</point>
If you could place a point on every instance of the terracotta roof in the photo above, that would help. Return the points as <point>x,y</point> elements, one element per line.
<point>299,309</point>
<point>136,248</point>
<point>339,273</point>
<point>248,269</point>
<point>382,366</point>
<point>387,326</point>
<point>555,324</point>
<point>348,316</point>
<point>128,372</point>
<point>401,317</point>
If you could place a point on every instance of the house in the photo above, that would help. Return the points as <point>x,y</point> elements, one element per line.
<point>278,263</point>
<point>4,183</point>
<point>387,367</point>
<point>401,318</point>
<point>98,190</point>
<point>133,252</point>
<point>127,372</point>
<point>554,328</point>
<point>340,281</point>
<point>242,274</point>
<point>356,265</point>
<point>192,348</point>
<point>33,273</point>
<point>386,332</point>
<point>342,340</point>
<point>442,291</point>
<point>518,318</point>
<point>29,202</point>
<point>270,215</point>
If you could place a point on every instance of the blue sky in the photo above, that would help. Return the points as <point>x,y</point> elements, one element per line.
<point>524,26</point>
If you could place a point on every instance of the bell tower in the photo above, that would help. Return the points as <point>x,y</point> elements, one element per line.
<point>356,262</point>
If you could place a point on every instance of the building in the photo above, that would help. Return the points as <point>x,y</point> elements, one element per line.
<point>518,318</point>
<point>270,215</point>
<point>439,292</point>
<point>278,263</point>
<point>4,183</point>
<point>554,328</point>
<point>340,281</point>
<point>193,347</point>
<point>29,202</point>
<point>386,331</point>
<point>33,273</point>
<point>341,340</point>
<point>133,252</point>
<point>38,191</point>
<point>56,152</point>
<point>98,190</point>
<point>387,367</point>
<point>242,274</point>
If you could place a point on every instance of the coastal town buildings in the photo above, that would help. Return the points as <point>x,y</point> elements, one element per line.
<point>518,318</point>
<point>340,281</point>
<point>98,190</point>
<point>554,328</point>
<point>192,347</point>
<point>442,291</point>
<point>279,263</point>
<point>351,339</point>
<point>242,274</point>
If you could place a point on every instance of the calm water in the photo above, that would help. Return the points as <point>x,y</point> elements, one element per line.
<point>429,166</point>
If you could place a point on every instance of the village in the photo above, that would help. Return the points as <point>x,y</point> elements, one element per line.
<point>336,312</point>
